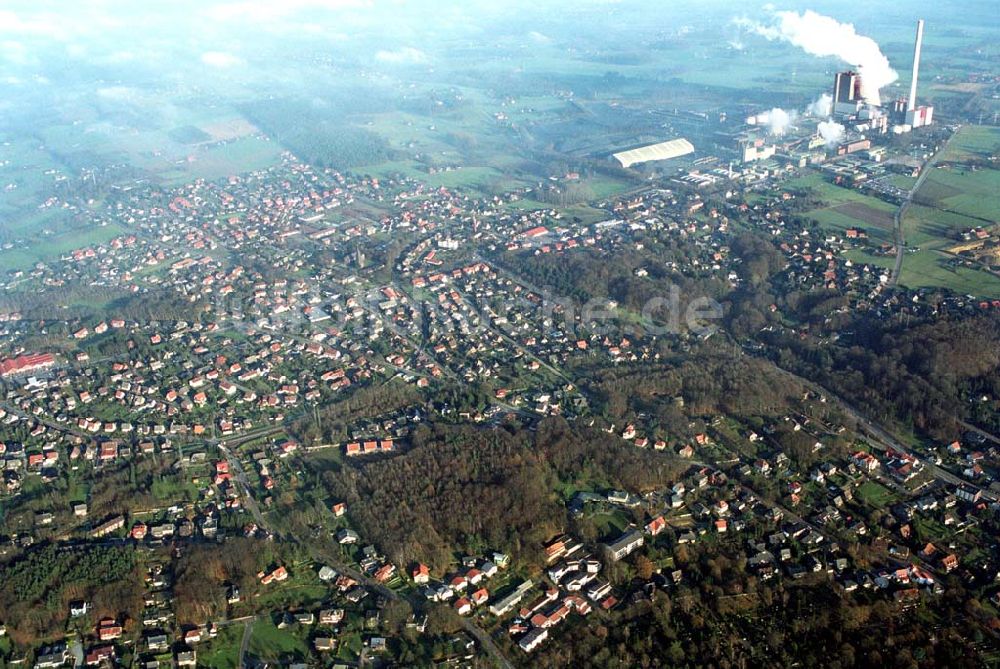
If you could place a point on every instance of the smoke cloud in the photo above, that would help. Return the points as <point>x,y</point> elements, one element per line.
<point>778,120</point>
<point>821,35</point>
<point>831,132</point>
<point>822,107</point>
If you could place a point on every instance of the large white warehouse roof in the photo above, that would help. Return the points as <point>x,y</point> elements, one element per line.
<point>661,151</point>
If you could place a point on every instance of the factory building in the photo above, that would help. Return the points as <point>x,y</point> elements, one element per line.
<point>903,113</point>
<point>751,147</point>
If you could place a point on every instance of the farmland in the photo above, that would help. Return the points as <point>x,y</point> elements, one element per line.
<point>972,141</point>
<point>966,191</point>
<point>844,208</point>
<point>955,198</point>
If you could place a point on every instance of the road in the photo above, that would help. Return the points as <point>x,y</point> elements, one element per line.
<point>236,467</point>
<point>881,439</point>
<point>48,422</point>
<point>897,223</point>
<point>331,558</point>
<point>245,643</point>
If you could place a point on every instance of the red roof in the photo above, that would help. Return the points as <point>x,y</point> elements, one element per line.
<point>26,363</point>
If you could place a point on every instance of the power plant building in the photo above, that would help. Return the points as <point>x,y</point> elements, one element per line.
<point>847,98</point>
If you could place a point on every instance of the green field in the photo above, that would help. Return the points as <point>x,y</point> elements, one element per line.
<point>930,230</point>
<point>930,269</point>
<point>874,495</point>
<point>972,141</point>
<point>52,246</point>
<point>962,190</point>
<point>952,199</point>
<point>267,642</point>
<point>219,161</point>
<point>847,208</point>
<point>222,652</point>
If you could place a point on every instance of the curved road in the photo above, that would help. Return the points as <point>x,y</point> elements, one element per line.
<point>881,439</point>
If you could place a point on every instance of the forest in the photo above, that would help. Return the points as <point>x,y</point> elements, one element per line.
<point>36,590</point>
<point>322,136</point>
<point>919,376</point>
<point>471,489</point>
<point>730,624</point>
<point>711,378</point>
<point>588,274</point>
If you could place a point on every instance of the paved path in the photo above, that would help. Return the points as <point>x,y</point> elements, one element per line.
<point>901,213</point>
<point>247,633</point>
<point>880,438</point>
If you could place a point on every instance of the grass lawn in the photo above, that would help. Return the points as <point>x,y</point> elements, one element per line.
<point>861,256</point>
<point>175,489</point>
<point>223,651</point>
<point>270,643</point>
<point>831,194</point>
<point>841,218</point>
<point>875,495</point>
<point>902,181</point>
<point>349,646</point>
<point>304,587</point>
<point>609,525</point>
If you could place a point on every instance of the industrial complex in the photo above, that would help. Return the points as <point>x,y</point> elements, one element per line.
<point>847,125</point>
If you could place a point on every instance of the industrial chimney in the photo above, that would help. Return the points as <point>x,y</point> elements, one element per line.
<point>911,103</point>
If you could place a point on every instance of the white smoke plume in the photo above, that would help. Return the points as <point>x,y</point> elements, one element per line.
<point>822,107</point>
<point>778,120</point>
<point>821,35</point>
<point>831,132</point>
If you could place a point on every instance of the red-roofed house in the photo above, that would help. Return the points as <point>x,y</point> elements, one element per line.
<point>656,525</point>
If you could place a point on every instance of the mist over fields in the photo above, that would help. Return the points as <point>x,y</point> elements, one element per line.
<point>113,91</point>
<point>115,54</point>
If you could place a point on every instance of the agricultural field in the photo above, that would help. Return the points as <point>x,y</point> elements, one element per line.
<point>218,161</point>
<point>971,142</point>
<point>962,190</point>
<point>932,269</point>
<point>954,198</point>
<point>930,228</point>
<point>957,197</point>
<point>846,208</point>
<point>50,244</point>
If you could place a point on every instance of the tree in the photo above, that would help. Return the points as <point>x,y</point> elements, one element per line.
<point>644,567</point>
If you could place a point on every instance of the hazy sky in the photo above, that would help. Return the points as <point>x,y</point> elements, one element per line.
<point>38,37</point>
<point>114,48</point>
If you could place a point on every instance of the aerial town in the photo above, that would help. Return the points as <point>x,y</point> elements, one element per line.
<point>305,416</point>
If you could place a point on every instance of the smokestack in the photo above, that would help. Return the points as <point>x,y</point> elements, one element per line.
<point>911,104</point>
